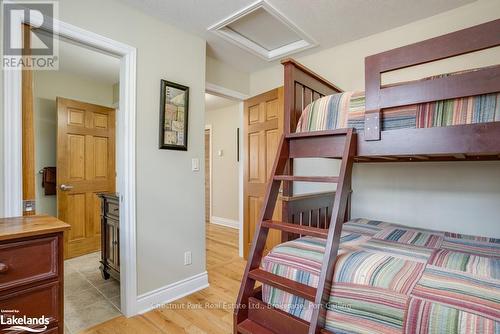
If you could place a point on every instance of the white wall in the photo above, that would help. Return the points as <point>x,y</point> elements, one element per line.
<point>170,210</point>
<point>47,86</point>
<point>460,197</point>
<point>224,122</point>
<point>224,75</point>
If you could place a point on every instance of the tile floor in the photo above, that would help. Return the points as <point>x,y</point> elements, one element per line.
<point>88,298</point>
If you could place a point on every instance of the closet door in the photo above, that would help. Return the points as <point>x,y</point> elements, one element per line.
<point>263,128</point>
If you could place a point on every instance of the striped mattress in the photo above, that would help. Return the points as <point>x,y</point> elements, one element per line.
<point>395,279</point>
<point>348,110</point>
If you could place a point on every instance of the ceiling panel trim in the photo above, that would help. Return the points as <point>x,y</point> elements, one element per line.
<point>221,28</point>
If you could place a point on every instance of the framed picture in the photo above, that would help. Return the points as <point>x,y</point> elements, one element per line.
<point>174,105</point>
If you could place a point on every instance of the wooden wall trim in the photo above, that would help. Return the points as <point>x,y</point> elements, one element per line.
<point>28,129</point>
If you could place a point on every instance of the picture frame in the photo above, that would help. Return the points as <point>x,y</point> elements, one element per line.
<point>174,110</point>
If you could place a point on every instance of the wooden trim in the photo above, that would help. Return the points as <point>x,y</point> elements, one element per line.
<point>276,320</point>
<point>476,38</point>
<point>28,128</point>
<point>307,196</point>
<point>309,72</point>
<point>301,86</point>
<point>301,290</point>
<point>340,206</point>
<point>449,143</point>
<point>260,236</point>
<point>297,229</point>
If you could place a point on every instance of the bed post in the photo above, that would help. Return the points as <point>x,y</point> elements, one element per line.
<point>372,91</point>
<point>301,87</point>
<point>289,97</point>
<point>289,127</point>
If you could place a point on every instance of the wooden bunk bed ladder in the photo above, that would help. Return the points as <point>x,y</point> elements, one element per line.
<point>252,315</point>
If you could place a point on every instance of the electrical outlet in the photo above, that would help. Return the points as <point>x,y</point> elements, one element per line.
<point>187,258</point>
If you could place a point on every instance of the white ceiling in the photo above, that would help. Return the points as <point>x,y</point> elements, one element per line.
<point>329,22</point>
<point>88,63</point>
<point>216,102</point>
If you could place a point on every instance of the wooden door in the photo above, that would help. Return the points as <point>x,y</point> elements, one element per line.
<point>85,167</point>
<point>262,130</point>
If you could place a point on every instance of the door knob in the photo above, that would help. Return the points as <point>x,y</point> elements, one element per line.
<point>65,187</point>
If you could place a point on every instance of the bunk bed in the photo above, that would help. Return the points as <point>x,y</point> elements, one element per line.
<point>336,275</point>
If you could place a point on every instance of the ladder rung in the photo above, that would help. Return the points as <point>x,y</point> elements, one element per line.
<point>275,319</point>
<point>251,327</point>
<point>296,229</point>
<point>329,179</point>
<point>339,132</point>
<point>298,289</point>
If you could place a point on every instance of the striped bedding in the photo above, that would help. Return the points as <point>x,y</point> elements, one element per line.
<point>348,110</point>
<point>395,279</point>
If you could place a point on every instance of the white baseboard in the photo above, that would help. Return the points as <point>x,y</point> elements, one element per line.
<point>164,295</point>
<point>225,222</point>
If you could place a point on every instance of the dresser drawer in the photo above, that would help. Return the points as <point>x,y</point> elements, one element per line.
<point>28,261</point>
<point>35,302</point>
<point>112,209</point>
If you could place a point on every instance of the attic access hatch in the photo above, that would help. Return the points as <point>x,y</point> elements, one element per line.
<point>264,31</point>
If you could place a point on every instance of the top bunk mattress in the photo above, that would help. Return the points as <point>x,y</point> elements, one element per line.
<point>396,279</point>
<point>347,110</point>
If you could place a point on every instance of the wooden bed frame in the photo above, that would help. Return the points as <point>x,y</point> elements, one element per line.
<point>462,142</point>
<point>452,143</point>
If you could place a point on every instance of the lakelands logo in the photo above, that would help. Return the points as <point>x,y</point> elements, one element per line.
<point>33,49</point>
<point>24,323</point>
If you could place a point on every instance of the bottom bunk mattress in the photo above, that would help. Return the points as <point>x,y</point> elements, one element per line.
<point>396,279</point>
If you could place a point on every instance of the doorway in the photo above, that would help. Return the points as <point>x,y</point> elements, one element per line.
<point>223,161</point>
<point>13,180</point>
<point>74,153</point>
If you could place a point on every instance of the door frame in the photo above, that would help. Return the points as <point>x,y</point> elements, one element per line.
<point>125,145</point>
<point>210,182</point>
<point>234,95</point>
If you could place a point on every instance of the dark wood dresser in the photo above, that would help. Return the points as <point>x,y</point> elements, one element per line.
<point>32,272</point>
<point>110,234</point>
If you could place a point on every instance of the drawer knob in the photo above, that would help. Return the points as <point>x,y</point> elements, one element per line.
<point>3,268</point>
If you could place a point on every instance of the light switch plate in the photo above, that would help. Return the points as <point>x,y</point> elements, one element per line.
<point>187,258</point>
<point>195,164</point>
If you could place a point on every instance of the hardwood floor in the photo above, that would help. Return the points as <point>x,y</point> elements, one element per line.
<point>207,311</point>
